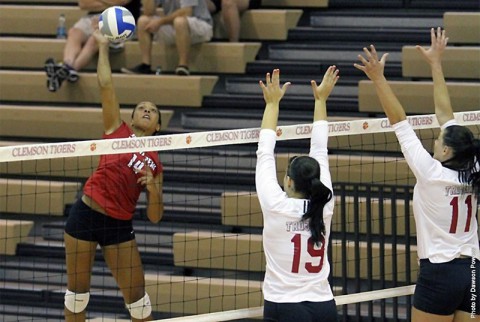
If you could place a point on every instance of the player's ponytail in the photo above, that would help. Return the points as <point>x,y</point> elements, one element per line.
<point>466,154</point>
<point>305,172</point>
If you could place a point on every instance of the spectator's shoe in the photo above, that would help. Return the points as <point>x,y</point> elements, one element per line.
<point>63,73</point>
<point>139,69</point>
<point>182,71</point>
<point>72,74</point>
<point>116,47</point>
<point>51,68</point>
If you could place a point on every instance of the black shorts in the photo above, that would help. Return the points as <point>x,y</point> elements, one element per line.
<point>86,224</point>
<point>303,311</point>
<point>253,4</point>
<point>445,288</point>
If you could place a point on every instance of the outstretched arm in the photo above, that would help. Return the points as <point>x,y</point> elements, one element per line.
<point>322,92</point>
<point>110,107</point>
<point>433,56</point>
<point>373,68</point>
<point>272,94</point>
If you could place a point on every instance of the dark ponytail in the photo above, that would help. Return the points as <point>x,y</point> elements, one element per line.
<point>305,173</point>
<point>466,154</point>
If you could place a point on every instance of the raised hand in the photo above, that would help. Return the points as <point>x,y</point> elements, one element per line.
<point>322,91</point>
<point>439,42</point>
<point>372,66</point>
<point>272,92</point>
<point>99,37</point>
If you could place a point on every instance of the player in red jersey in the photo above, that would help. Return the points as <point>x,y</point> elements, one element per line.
<point>103,215</point>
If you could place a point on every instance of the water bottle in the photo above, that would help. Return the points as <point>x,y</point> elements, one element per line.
<point>61,30</point>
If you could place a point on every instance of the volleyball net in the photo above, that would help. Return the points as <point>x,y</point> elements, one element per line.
<point>204,261</point>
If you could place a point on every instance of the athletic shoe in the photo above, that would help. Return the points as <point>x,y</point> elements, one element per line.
<point>63,73</point>
<point>51,68</point>
<point>182,71</point>
<point>139,69</point>
<point>72,74</point>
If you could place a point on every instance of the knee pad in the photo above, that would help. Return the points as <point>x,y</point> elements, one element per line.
<point>141,309</point>
<point>76,302</point>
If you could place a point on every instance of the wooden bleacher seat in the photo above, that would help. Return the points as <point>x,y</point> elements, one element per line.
<point>30,86</point>
<point>39,197</point>
<point>417,97</point>
<point>245,252</point>
<point>226,251</point>
<point>262,24</point>
<point>295,3</point>
<point>390,261</point>
<point>59,122</point>
<point>462,27</point>
<point>211,57</point>
<point>457,62</point>
<point>13,232</point>
<point>243,209</point>
<point>79,168</point>
<point>198,295</point>
<point>36,20</point>
<point>360,169</point>
<point>256,24</point>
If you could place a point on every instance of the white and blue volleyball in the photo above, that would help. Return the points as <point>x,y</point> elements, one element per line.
<point>117,24</point>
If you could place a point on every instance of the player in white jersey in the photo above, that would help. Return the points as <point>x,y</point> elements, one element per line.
<point>297,220</point>
<point>444,197</point>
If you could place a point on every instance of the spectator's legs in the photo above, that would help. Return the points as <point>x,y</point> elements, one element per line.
<point>75,40</point>
<point>182,39</point>
<point>231,10</point>
<point>86,54</point>
<point>144,39</point>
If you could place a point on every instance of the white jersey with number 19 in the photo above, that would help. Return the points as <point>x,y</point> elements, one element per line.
<point>297,269</point>
<point>444,208</point>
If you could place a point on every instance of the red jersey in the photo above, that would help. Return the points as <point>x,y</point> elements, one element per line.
<point>114,184</point>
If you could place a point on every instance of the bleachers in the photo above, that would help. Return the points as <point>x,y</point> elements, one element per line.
<point>29,87</point>
<point>243,209</point>
<point>209,243</point>
<point>257,24</point>
<point>215,57</point>
<point>39,197</point>
<point>295,3</point>
<point>191,295</point>
<point>245,252</point>
<point>417,97</point>
<point>59,122</point>
<point>458,63</point>
<point>13,232</point>
<point>463,27</point>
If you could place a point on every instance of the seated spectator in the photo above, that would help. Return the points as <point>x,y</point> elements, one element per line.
<point>185,22</point>
<point>231,11</point>
<point>81,46</point>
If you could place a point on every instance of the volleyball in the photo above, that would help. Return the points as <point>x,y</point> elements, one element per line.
<point>116,23</point>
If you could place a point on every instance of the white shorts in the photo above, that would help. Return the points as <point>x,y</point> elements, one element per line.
<point>86,24</point>
<point>200,31</point>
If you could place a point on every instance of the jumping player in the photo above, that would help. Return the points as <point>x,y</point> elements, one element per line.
<point>103,215</point>
<point>444,197</point>
<point>297,220</point>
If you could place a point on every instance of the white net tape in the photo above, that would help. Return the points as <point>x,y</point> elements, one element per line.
<point>212,138</point>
